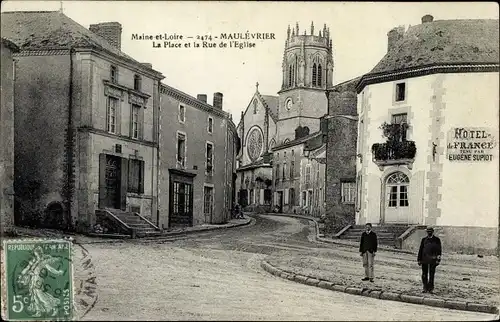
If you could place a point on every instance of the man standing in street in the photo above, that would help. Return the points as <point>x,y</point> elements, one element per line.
<point>367,249</point>
<point>429,257</point>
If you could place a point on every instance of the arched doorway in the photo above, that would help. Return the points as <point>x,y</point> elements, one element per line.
<point>396,201</point>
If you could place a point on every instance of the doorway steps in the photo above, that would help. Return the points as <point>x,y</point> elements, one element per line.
<point>386,234</point>
<point>131,223</point>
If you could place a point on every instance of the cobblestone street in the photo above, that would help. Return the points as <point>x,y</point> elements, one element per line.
<point>217,276</point>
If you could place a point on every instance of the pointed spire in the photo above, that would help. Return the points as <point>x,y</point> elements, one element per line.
<point>312,28</point>
<point>257,87</point>
<point>297,28</point>
<point>304,32</point>
<point>288,32</point>
<point>61,7</point>
<point>293,33</point>
<point>319,33</point>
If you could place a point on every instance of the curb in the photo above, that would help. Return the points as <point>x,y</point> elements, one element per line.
<point>167,236</point>
<point>378,294</point>
<point>319,239</point>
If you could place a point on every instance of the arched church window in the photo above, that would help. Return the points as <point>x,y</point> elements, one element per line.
<point>318,81</point>
<point>255,106</point>
<point>290,69</point>
<point>314,75</point>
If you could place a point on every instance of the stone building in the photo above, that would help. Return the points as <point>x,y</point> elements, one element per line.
<point>341,124</point>
<point>282,125</point>
<point>198,145</point>
<point>8,48</point>
<point>428,134</point>
<point>86,123</point>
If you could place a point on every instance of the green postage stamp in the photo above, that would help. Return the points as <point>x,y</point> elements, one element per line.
<point>39,280</point>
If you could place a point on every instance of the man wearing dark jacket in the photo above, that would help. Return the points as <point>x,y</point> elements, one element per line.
<point>367,249</point>
<point>429,257</point>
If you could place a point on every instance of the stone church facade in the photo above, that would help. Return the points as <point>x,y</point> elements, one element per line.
<point>281,136</point>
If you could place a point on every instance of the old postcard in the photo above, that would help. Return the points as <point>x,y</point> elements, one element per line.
<point>181,160</point>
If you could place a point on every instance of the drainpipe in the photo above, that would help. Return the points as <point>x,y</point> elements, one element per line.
<point>158,159</point>
<point>69,146</point>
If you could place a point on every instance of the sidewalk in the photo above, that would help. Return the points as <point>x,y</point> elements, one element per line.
<point>464,278</point>
<point>83,239</point>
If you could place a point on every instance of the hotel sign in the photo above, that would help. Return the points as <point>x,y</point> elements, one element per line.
<point>471,144</point>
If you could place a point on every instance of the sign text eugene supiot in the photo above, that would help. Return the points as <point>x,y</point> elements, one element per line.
<point>471,144</point>
<point>238,40</point>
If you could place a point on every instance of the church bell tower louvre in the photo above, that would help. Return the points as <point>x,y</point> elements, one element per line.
<point>307,71</point>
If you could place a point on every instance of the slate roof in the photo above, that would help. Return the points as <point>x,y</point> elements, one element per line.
<point>349,85</point>
<point>49,30</point>
<point>272,105</point>
<point>444,42</point>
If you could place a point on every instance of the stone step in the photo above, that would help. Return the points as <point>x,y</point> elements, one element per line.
<point>141,226</point>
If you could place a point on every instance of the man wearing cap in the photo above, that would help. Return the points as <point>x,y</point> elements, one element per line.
<point>429,256</point>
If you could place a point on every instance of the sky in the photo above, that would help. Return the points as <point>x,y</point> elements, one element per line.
<point>358,31</point>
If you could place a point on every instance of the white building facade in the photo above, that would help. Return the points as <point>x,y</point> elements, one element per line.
<point>438,161</point>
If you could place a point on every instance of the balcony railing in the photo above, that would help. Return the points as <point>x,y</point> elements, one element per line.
<point>395,152</point>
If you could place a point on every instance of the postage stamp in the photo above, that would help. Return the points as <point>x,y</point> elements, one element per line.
<point>39,280</point>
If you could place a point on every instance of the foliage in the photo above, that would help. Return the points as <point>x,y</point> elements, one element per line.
<point>395,147</point>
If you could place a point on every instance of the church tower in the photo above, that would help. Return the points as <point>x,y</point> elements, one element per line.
<point>307,72</point>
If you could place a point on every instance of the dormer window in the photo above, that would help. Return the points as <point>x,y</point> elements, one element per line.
<point>113,75</point>
<point>137,82</point>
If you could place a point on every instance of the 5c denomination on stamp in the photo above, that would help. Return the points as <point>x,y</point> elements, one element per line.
<point>39,280</point>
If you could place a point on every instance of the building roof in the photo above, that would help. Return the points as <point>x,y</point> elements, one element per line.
<point>9,44</point>
<point>298,141</point>
<point>349,85</point>
<point>443,42</point>
<point>49,30</point>
<point>194,102</point>
<point>271,103</point>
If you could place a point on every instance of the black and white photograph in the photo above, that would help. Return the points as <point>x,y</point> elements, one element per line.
<point>248,160</point>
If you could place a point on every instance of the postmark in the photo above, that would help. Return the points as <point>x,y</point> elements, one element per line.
<point>83,280</point>
<point>39,280</point>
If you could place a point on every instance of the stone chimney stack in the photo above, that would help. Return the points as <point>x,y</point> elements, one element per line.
<point>202,97</point>
<point>427,18</point>
<point>148,65</point>
<point>111,31</point>
<point>394,36</point>
<point>217,102</point>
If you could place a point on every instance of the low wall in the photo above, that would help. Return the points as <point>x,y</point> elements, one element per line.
<point>466,240</point>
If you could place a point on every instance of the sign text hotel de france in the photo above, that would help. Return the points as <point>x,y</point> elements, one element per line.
<point>471,144</point>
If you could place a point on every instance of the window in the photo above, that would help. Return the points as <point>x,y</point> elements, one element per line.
<point>135,176</point>
<point>209,158</point>
<point>137,82</point>
<point>284,171</point>
<point>114,75</point>
<point>319,76</point>
<point>210,124</point>
<point>397,188</point>
<point>208,203</point>
<point>292,171</point>
<point>135,121</point>
<point>348,192</point>
<point>255,106</point>
<point>314,74</point>
<point>304,198</point>
<point>181,148</point>
<point>291,197</point>
<point>251,196</point>
<point>182,113</point>
<point>112,110</point>
<point>400,92</point>
<point>277,173</point>
<point>308,174</point>
<point>400,119</point>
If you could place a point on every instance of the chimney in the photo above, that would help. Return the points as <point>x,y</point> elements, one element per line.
<point>217,102</point>
<point>427,18</point>
<point>148,65</point>
<point>111,31</point>
<point>202,97</point>
<point>394,36</point>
